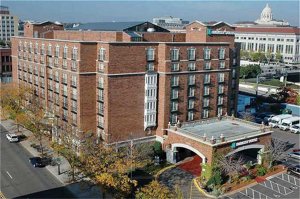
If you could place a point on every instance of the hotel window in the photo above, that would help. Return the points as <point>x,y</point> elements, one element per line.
<point>75,53</point>
<point>101,54</point>
<point>174,106</point>
<point>57,51</point>
<point>74,118</point>
<point>100,108</point>
<point>174,94</point>
<point>233,73</point>
<point>191,66</point>
<point>25,46</point>
<point>191,54</point>
<point>74,106</point>
<point>220,89</point>
<point>65,114</point>
<point>36,48</point>
<point>56,77</point>
<point>56,62</point>
<point>220,100</point>
<point>192,79</point>
<point>100,95</point>
<point>191,92</point>
<point>20,46</point>
<point>190,115</point>
<point>191,104</point>
<point>57,87</point>
<point>270,48</point>
<point>174,54</point>
<point>30,47</point>
<point>100,82</point>
<point>100,67</point>
<point>64,64</point>
<point>220,111</point>
<point>174,66</point>
<point>49,49</point>
<point>207,78</point>
<point>205,113</point>
<point>207,65</point>
<point>173,118</point>
<point>74,93</point>
<point>65,90</point>
<point>222,64</point>
<point>150,66</point>
<point>43,49</point>
<point>222,53</point>
<point>206,90</point>
<point>74,80</point>
<point>206,53</point>
<point>65,78</point>
<point>100,121</point>
<point>150,54</point>
<point>175,81</point>
<point>221,77</point>
<point>65,53</point>
<point>205,102</point>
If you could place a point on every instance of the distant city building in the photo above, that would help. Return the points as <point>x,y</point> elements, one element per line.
<point>266,18</point>
<point>5,65</point>
<point>21,28</point>
<point>269,35</point>
<point>283,40</point>
<point>173,24</point>
<point>9,24</point>
<point>130,81</point>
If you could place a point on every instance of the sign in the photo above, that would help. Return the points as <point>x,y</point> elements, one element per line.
<point>220,32</point>
<point>237,144</point>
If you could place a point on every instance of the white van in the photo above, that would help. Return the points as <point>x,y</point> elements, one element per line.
<point>286,124</point>
<point>295,129</point>
<point>276,120</point>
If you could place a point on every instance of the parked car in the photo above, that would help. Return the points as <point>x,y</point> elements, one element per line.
<point>276,120</point>
<point>268,118</point>
<point>296,150</point>
<point>286,124</point>
<point>295,155</point>
<point>12,137</point>
<point>295,128</point>
<point>295,169</point>
<point>37,161</point>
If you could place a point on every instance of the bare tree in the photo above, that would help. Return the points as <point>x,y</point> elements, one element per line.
<point>230,166</point>
<point>276,151</point>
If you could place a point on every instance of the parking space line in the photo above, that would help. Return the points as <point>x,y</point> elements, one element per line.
<point>260,194</point>
<point>289,182</point>
<point>295,180</point>
<point>245,194</point>
<point>285,191</point>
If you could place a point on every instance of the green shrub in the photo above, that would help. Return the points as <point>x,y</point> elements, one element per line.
<point>261,171</point>
<point>216,179</point>
<point>157,148</point>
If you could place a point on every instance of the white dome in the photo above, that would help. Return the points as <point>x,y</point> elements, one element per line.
<point>266,14</point>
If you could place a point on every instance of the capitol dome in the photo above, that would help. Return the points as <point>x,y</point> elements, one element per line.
<point>266,14</point>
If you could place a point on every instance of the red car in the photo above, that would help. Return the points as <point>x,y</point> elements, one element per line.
<point>296,150</point>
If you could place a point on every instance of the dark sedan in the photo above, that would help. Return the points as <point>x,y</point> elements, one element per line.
<point>37,162</point>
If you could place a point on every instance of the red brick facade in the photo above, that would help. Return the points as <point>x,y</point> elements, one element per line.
<point>114,107</point>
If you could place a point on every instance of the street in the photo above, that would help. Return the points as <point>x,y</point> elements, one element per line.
<point>19,179</point>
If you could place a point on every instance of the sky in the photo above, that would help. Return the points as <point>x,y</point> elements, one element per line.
<point>94,11</point>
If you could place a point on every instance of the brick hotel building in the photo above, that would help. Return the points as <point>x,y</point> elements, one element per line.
<point>129,82</point>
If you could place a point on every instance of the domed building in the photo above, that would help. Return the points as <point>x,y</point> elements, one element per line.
<point>266,18</point>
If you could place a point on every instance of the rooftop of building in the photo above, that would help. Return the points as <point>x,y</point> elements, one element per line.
<point>269,29</point>
<point>137,26</point>
<point>232,129</point>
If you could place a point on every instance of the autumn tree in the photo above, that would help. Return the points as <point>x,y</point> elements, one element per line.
<point>68,145</point>
<point>154,190</point>
<point>13,100</point>
<point>110,166</point>
<point>276,151</point>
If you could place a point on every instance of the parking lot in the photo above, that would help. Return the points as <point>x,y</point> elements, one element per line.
<point>280,186</point>
<point>287,136</point>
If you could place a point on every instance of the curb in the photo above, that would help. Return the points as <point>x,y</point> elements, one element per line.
<point>163,170</point>
<point>201,190</point>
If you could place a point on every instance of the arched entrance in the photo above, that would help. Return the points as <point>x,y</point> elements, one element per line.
<point>249,153</point>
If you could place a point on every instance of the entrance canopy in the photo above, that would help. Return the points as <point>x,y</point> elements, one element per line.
<point>215,132</point>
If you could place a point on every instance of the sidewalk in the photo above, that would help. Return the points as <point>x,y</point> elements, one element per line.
<point>82,189</point>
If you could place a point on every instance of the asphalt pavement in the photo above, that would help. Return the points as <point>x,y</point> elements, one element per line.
<point>19,179</point>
